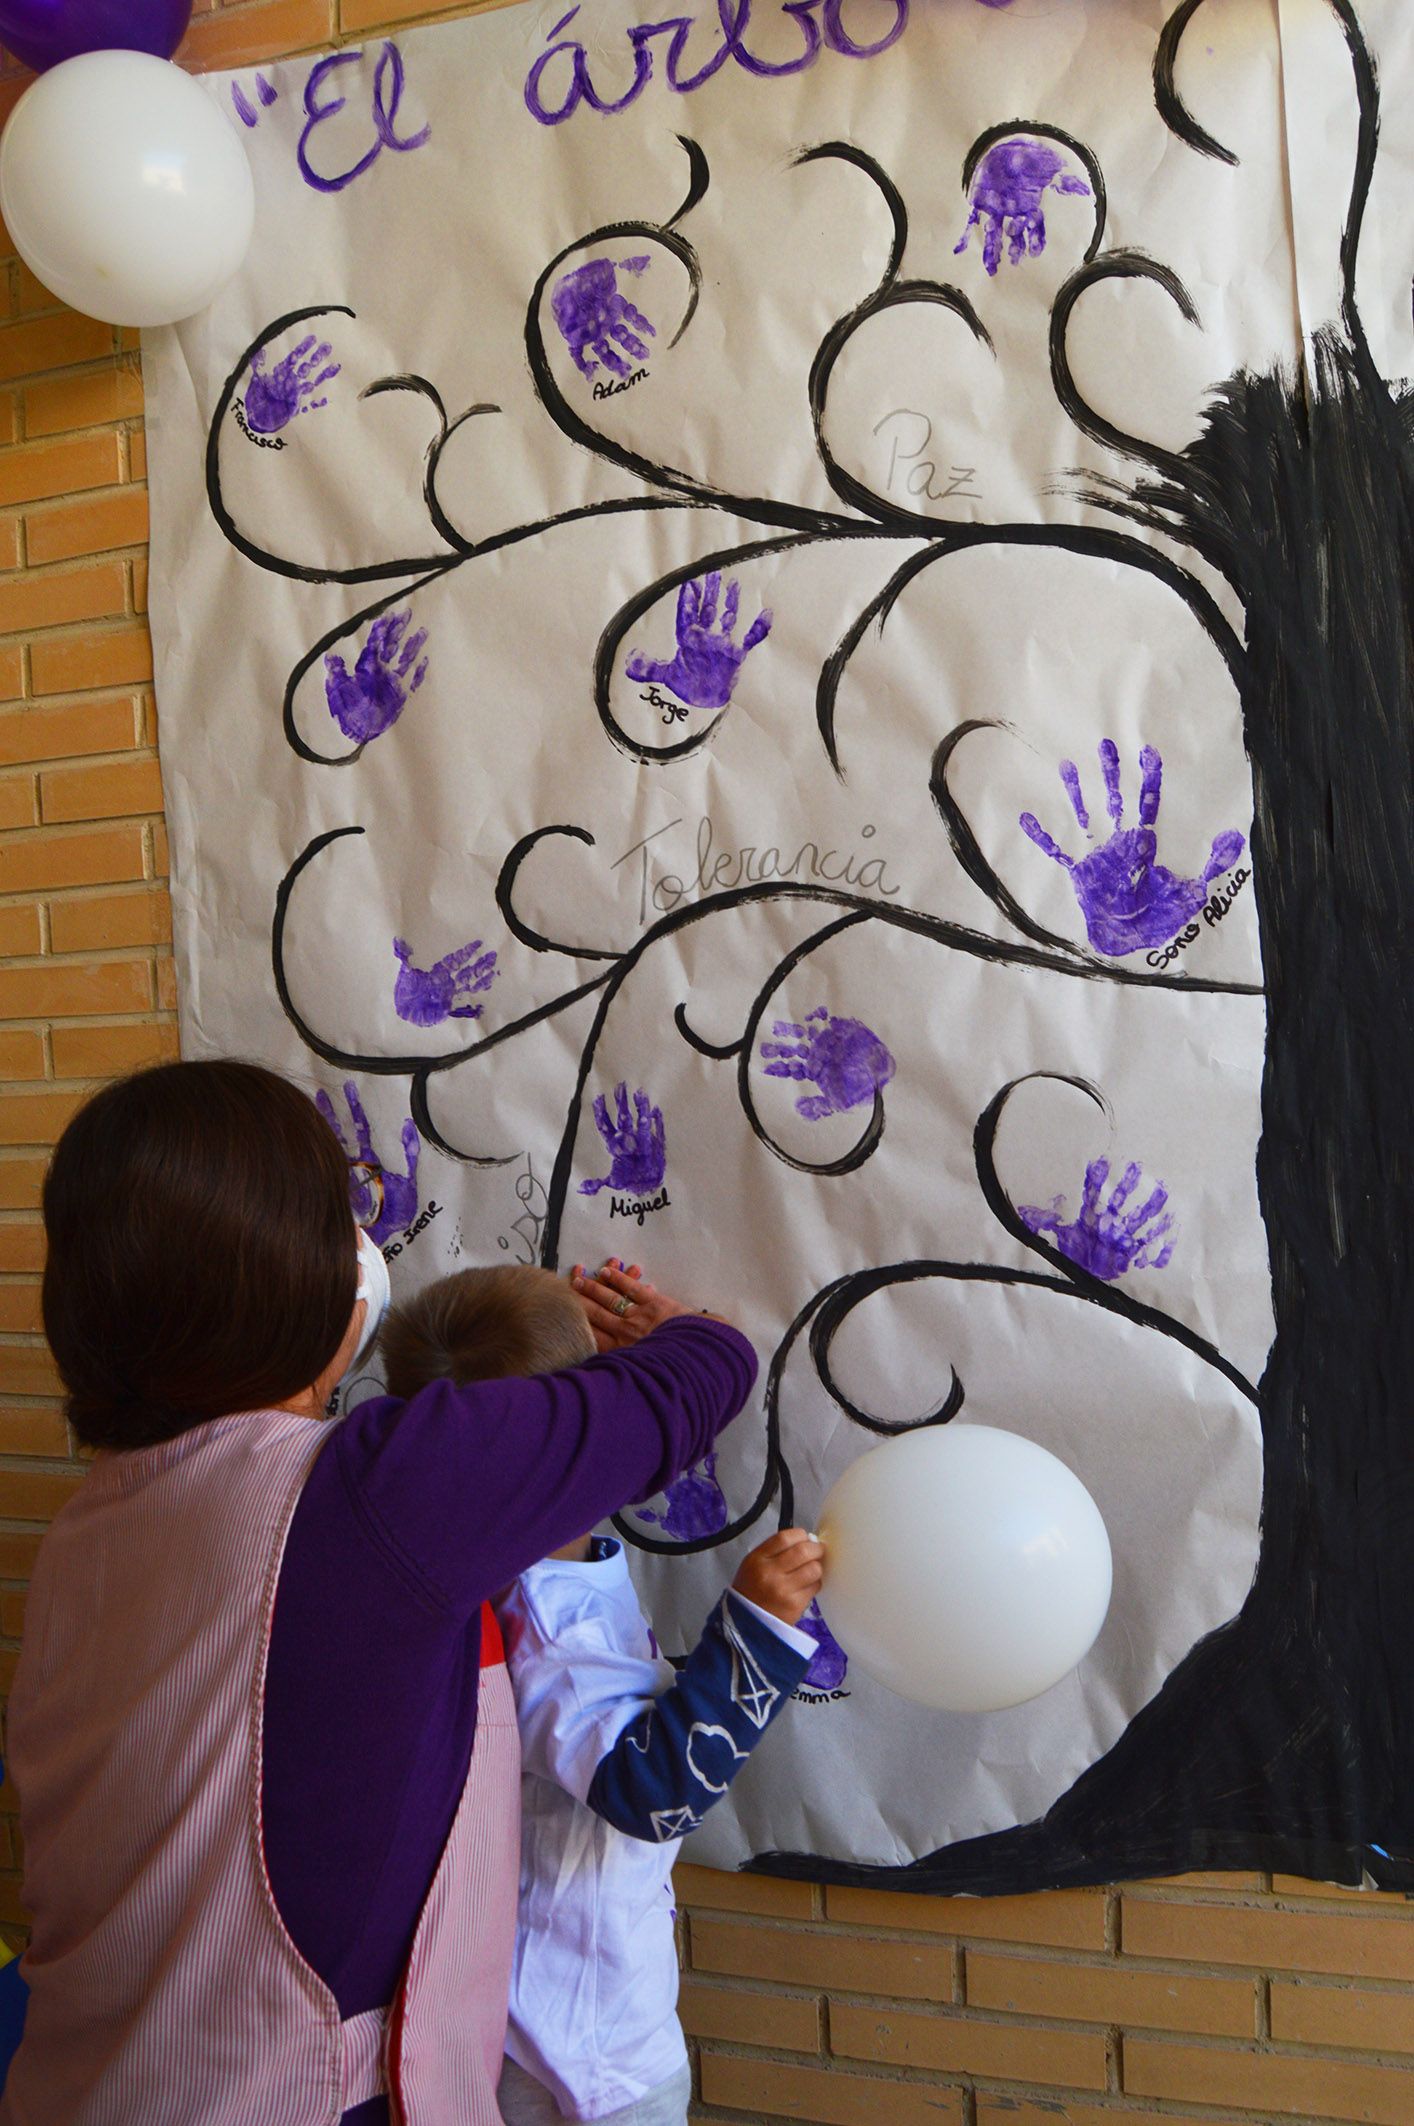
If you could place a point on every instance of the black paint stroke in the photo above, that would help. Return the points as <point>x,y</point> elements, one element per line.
<point>505,895</point>
<point>968,850</point>
<point>300,571</point>
<point>827,1324</point>
<point>1171,106</point>
<point>891,516</point>
<point>846,151</point>
<point>1030,129</point>
<point>1116,265</point>
<point>699,178</point>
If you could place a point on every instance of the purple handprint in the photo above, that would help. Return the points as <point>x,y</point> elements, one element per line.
<point>1008,195</point>
<point>594,314</point>
<point>842,1057</point>
<point>703,670</point>
<point>1108,1238</point>
<point>272,400</point>
<point>383,1202</point>
<point>637,1152</point>
<point>1130,902</point>
<point>425,996</point>
<point>371,698</point>
<point>828,1665</point>
<point>696,1504</point>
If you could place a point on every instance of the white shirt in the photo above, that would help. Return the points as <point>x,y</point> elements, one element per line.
<point>594,1981</point>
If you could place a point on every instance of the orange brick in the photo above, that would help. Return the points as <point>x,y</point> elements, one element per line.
<point>31,601</point>
<point>31,293</point>
<point>67,794</point>
<point>105,921</point>
<point>105,724</point>
<point>12,1624</point>
<point>1269,2082</point>
<point>19,931</point>
<point>140,584</point>
<point>1302,1886</point>
<point>161,850</point>
<point>19,1316</point>
<point>767,1895</point>
<point>31,1431</point>
<point>67,664</point>
<point>1061,1919</point>
<point>137,455</point>
<point>34,1118</point>
<point>82,401</point>
<point>17,1556</point>
<point>20,1183</point>
<point>27,1369</point>
<point>9,423</point>
<point>21,1244</point>
<point>43,862</point>
<point>782,2021</point>
<point>1354,2020</point>
<point>17,801</point>
<point>252,34</point>
<point>12,672</point>
<point>167,984</point>
<point>1110,1993</point>
<point>904,1970</point>
<point>52,343</point>
<point>1380,1946</point>
<point>107,1051</point>
<point>962,2044</point>
<point>92,526</point>
<point>10,554</point>
<point>32,472</point>
<point>21,1056</point>
<point>823,2096</point>
<point>1014,2111</point>
<point>356,15</point>
<point>47,992</point>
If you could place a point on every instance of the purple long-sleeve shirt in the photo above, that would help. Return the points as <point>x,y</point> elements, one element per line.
<point>413,1514</point>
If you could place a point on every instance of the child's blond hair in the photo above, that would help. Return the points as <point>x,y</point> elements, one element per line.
<point>484,1325</point>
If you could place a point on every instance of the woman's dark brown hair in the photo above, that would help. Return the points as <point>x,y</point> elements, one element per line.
<point>491,1324</point>
<point>201,1250</point>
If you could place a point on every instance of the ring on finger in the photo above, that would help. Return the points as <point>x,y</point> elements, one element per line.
<point>621,1307</point>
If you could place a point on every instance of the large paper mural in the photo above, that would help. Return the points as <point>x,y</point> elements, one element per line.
<point>784,650</point>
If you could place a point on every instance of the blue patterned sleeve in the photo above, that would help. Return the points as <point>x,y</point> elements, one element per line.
<point>685,1748</point>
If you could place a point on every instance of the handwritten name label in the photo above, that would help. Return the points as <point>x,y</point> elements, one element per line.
<point>638,1207</point>
<point>719,870</point>
<point>605,390</point>
<point>1213,913</point>
<point>393,1248</point>
<point>803,1696</point>
<point>910,435</point>
<point>820,24</point>
<point>265,442</point>
<point>673,711</point>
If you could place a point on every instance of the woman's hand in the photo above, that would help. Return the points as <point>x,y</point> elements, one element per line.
<point>783,1574</point>
<point>621,1308</point>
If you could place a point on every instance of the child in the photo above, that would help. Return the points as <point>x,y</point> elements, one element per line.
<point>620,1758</point>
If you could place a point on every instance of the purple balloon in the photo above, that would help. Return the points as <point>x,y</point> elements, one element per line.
<point>42,32</point>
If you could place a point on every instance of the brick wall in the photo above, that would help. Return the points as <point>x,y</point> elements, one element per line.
<point>1213,1998</point>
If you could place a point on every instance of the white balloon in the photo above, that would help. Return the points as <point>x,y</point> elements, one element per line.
<point>125,188</point>
<point>965,1568</point>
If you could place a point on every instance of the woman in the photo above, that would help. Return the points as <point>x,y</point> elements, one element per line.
<point>262,1732</point>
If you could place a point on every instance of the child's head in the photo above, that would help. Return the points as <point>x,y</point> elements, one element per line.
<point>484,1325</point>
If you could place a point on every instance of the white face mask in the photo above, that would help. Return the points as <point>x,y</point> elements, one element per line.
<point>374,1290</point>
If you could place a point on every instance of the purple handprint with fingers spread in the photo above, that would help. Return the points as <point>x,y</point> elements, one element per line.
<point>597,320</point>
<point>696,1504</point>
<point>637,1150</point>
<point>847,1062</point>
<point>703,669</point>
<point>371,698</point>
<point>828,1665</point>
<point>1108,1238</point>
<point>1008,199</point>
<point>1129,901</point>
<point>383,1201</point>
<point>273,398</point>
<point>425,996</point>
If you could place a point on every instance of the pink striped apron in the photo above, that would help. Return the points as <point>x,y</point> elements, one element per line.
<point>164,1987</point>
